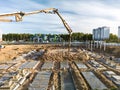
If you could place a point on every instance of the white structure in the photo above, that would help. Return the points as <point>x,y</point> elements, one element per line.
<point>109,73</point>
<point>119,32</point>
<point>96,64</point>
<point>41,81</point>
<point>81,65</point>
<point>0,35</point>
<point>101,33</point>
<point>93,81</point>
<point>113,77</point>
<point>116,77</point>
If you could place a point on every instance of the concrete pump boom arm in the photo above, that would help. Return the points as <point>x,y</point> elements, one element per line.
<point>19,16</point>
<point>51,11</point>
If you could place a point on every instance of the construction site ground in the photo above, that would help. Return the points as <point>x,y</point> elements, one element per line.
<point>54,52</point>
<point>55,58</point>
<point>12,51</point>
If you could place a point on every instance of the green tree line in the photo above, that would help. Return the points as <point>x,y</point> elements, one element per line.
<point>113,38</point>
<point>16,37</point>
<point>77,37</point>
<point>65,37</point>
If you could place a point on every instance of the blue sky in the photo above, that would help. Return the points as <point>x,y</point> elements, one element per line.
<point>81,15</point>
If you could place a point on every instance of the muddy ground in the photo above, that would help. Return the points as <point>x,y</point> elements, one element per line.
<point>12,51</point>
<point>53,52</point>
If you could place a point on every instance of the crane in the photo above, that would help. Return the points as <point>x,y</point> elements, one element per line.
<point>19,16</point>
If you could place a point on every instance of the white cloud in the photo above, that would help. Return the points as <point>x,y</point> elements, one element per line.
<point>81,15</point>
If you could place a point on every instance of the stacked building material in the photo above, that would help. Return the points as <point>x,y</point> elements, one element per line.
<point>47,65</point>
<point>41,81</point>
<point>96,83</point>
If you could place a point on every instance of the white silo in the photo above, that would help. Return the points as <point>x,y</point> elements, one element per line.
<point>119,32</point>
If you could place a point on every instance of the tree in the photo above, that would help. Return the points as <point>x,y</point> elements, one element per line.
<point>112,38</point>
<point>16,37</point>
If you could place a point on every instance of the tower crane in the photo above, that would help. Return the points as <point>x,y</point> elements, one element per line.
<point>19,16</point>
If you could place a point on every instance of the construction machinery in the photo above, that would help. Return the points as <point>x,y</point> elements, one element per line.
<point>19,15</point>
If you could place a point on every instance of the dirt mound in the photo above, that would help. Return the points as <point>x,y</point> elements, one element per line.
<point>52,52</point>
<point>113,50</point>
<point>62,54</point>
<point>12,51</point>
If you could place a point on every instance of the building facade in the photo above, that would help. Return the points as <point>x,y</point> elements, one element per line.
<point>46,38</point>
<point>119,32</point>
<point>101,33</point>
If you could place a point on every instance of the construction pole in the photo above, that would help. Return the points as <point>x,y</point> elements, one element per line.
<point>104,45</point>
<point>69,44</point>
<point>91,45</point>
